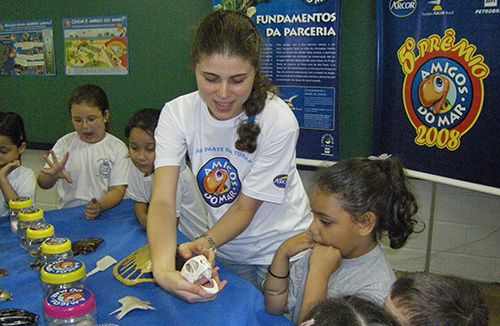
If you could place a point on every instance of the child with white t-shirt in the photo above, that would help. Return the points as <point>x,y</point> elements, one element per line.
<point>15,179</point>
<point>191,213</point>
<point>89,165</point>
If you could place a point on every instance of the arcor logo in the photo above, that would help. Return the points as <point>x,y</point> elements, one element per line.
<point>402,8</point>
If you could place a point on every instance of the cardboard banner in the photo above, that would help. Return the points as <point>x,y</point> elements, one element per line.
<point>437,87</point>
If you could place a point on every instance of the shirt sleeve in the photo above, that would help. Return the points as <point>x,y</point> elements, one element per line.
<point>135,187</point>
<point>170,141</point>
<point>270,171</point>
<point>121,170</point>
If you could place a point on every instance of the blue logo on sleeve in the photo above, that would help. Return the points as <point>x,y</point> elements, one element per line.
<point>280,180</point>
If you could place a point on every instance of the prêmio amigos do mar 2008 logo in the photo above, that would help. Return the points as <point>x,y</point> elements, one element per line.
<point>443,88</point>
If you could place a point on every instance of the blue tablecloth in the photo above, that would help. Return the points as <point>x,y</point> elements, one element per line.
<point>238,304</point>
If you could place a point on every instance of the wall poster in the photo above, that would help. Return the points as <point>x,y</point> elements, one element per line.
<point>300,54</point>
<point>96,45</point>
<point>27,48</point>
<point>438,76</point>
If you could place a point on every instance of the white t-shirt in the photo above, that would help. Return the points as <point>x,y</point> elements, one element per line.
<point>190,208</point>
<point>93,168</point>
<point>222,172</point>
<point>22,179</point>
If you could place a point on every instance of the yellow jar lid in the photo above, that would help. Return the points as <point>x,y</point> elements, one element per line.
<point>30,214</point>
<point>54,246</point>
<point>63,271</point>
<point>20,203</point>
<point>40,231</point>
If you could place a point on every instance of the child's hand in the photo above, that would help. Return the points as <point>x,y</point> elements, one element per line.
<point>56,169</point>
<point>93,209</point>
<point>296,244</point>
<point>7,168</point>
<point>325,259</point>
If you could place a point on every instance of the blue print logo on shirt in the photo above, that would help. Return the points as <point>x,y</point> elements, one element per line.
<point>105,166</point>
<point>219,182</point>
<point>280,180</point>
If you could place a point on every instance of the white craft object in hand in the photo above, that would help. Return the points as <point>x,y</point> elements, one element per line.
<point>199,267</point>
<point>130,303</point>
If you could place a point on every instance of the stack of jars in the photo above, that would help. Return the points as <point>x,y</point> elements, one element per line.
<point>67,301</point>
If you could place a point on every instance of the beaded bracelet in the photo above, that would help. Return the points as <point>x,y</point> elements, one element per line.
<point>276,276</point>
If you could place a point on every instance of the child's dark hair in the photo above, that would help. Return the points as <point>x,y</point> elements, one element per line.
<point>12,126</point>
<point>377,186</point>
<point>92,95</point>
<point>430,299</point>
<point>232,33</point>
<point>145,119</point>
<point>349,310</point>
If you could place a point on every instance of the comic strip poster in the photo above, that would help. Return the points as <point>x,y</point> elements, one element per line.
<point>96,45</point>
<point>27,48</point>
<point>438,76</point>
<point>300,54</point>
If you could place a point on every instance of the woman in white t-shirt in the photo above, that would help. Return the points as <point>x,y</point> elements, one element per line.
<point>240,138</point>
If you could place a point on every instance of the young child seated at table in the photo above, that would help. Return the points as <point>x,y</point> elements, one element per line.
<point>430,299</point>
<point>191,213</point>
<point>348,310</point>
<point>91,164</point>
<point>354,203</point>
<point>15,179</point>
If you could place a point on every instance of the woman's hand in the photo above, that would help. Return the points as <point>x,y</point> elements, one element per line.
<point>57,169</point>
<point>93,209</point>
<point>174,283</point>
<point>195,248</point>
<point>325,259</point>
<point>296,244</point>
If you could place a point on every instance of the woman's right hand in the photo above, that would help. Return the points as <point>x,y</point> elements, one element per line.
<point>57,169</point>
<point>174,283</point>
<point>297,243</point>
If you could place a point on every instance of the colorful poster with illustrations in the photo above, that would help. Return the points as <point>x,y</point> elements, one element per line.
<point>438,76</point>
<point>27,48</point>
<point>96,45</point>
<point>300,54</point>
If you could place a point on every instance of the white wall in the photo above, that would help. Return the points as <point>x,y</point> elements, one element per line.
<point>466,231</point>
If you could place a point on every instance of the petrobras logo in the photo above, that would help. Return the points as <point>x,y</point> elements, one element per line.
<point>314,2</point>
<point>402,8</point>
<point>443,88</point>
<point>219,182</point>
<point>280,180</point>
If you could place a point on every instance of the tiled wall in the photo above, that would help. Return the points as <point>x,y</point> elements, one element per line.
<point>466,229</point>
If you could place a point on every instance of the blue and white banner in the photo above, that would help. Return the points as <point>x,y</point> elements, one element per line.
<point>438,81</point>
<point>300,54</point>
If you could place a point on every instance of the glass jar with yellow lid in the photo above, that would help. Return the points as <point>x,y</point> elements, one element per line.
<point>26,218</point>
<point>55,249</point>
<point>35,235</point>
<point>15,205</point>
<point>63,274</point>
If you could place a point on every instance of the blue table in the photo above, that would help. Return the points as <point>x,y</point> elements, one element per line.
<point>238,304</point>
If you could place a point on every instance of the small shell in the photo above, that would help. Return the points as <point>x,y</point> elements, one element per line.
<point>5,295</point>
<point>86,246</point>
<point>3,272</point>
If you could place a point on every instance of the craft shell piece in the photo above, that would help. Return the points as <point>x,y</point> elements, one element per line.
<point>18,317</point>
<point>3,272</point>
<point>5,296</point>
<point>86,246</point>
